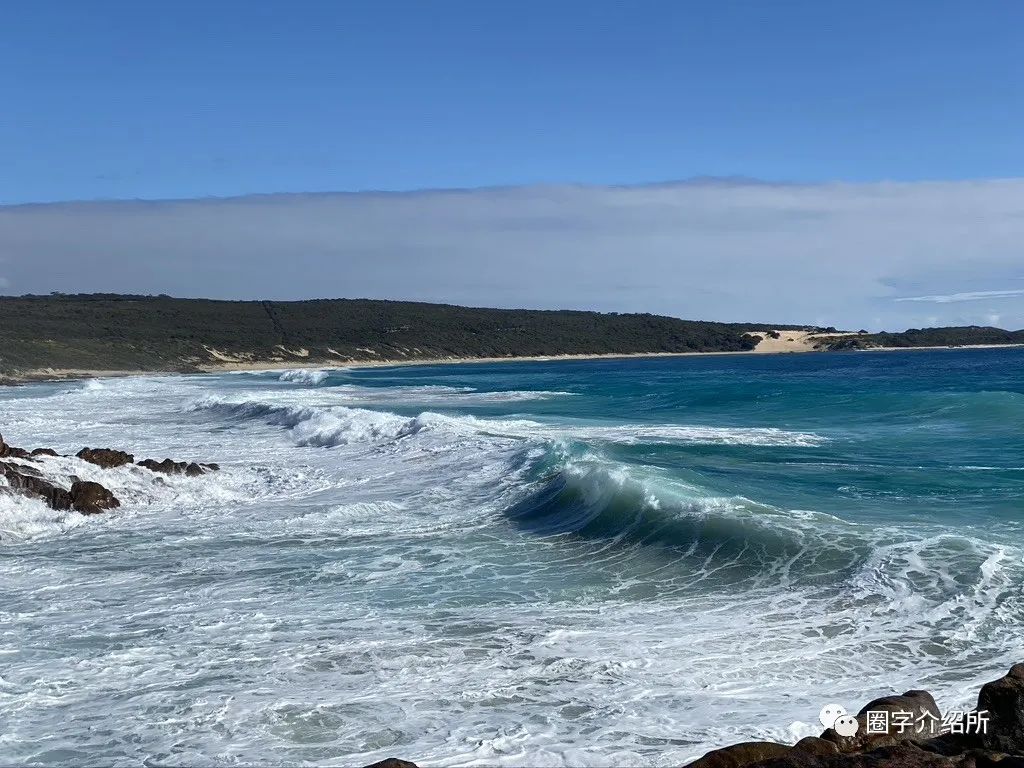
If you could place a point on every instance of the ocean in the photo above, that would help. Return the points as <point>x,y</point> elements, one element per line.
<point>607,562</point>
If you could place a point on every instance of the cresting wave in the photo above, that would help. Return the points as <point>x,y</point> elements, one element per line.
<point>428,393</point>
<point>305,376</point>
<point>340,425</point>
<point>726,539</point>
<point>718,542</point>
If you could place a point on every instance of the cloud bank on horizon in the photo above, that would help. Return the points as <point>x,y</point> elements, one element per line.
<point>867,255</point>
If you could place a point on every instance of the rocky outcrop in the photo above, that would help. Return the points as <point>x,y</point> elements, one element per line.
<point>904,755</point>
<point>1003,699</point>
<point>171,467</point>
<point>91,498</point>
<point>392,762</point>
<point>85,496</point>
<point>28,482</point>
<point>108,458</point>
<point>999,744</point>
<point>917,707</point>
<point>9,451</point>
<point>747,753</point>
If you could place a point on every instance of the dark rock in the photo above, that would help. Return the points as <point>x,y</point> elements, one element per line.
<point>392,762</point>
<point>1003,699</point>
<point>23,469</point>
<point>171,467</point>
<point>85,497</point>
<point>996,760</point>
<point>738,755</point>
<point>903,755</point>
<point>91,498</point>
<point>107,458</point>
<point>44,452</point>
<point>952,743</point>
<point>9,451</point>
<point>29,482</point>
<point>815,746</point>
<point>921,745</point>
<point>919,709</point>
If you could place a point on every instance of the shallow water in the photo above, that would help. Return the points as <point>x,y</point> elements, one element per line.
<point>588,562</point>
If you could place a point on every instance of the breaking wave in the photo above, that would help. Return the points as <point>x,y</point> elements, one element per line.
<point>306,376</point>
<point>719,537</point>
<point>328,426</point>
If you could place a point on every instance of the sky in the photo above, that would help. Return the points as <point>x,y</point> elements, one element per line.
<point>598,154</point>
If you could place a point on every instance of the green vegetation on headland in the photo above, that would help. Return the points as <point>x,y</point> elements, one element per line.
<point>963,336</point>
<point>112,332</point>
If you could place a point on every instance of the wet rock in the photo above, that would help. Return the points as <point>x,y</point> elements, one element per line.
<point>902,755</point>
<point>952,743</point>
<point>10,452</point>
<point>171,467</point>
<point>107,458</point>
<point>1004,701</point>
<point>815,746</point>
<point>91,498</point>
<point>44,452</point>
<point>85,497</point>
<point>739,755</point>
<point>916,710</point>
<point>392,762</point>
<point>29,482</point>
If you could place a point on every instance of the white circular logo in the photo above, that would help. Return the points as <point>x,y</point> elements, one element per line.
<point>846,725</point>
<point>829,713</point>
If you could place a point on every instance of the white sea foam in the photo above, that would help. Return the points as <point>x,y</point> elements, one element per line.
<point>337,425</point>
<point>381,596</point>
<point>24,518</point>
<point>305,376</point>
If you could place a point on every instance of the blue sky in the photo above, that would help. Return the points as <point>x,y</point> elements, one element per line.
<point>154,100</point>
<point>867,158</point>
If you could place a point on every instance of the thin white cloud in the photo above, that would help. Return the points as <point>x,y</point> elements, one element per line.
<point>967,296</point>
<point>828,254</point>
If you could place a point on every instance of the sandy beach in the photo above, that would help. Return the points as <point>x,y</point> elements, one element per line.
<point>788,342</point>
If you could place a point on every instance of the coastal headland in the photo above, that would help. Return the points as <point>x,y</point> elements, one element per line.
<point>90,335</point>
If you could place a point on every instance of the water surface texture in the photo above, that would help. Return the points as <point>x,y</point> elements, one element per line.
<point>569,563</point>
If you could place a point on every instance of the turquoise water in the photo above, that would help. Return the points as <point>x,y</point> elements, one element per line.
<point>563,563</point>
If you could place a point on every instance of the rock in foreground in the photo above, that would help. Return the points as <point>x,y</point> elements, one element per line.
<point>83,496</point>
<point>90,498</point>
<point>1004,700</point>
<point>26,481</point>
<point>931,743</point>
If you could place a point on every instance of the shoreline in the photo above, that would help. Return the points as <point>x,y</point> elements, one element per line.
<point>42,375</point>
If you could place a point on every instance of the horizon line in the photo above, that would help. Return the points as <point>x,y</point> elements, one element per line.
<point>699,181</point>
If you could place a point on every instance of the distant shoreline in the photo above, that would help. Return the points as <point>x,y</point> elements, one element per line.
<point>68,374</point>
